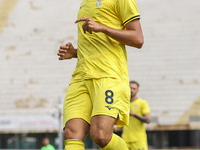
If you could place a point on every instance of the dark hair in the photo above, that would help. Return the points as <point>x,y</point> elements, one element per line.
<point>132,81</point>
<point>45,138</point>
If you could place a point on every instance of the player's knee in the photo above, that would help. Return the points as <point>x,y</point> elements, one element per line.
<point>100,138</point>
<point>68,134</point>
<point>73,134</point>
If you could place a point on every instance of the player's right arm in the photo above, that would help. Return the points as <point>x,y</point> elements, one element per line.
<point>67,52</point>
<point>132,36</point>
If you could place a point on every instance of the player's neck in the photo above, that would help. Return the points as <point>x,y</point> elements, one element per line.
<point>133,98</point>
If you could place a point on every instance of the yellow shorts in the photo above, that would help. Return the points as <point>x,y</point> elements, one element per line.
<point>137,145</point>
<point>104,96</point>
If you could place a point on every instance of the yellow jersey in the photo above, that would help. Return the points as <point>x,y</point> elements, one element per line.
<point>135,131</point>
<point>98,54</point>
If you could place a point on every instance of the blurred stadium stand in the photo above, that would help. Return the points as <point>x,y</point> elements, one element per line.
<point>32,79</point>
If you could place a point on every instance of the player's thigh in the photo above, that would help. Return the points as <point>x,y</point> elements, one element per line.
<point>111,97</point>
<point>102,123</point>
<point>77,103</point>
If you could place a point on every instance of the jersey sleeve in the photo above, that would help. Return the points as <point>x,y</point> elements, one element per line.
<point>127,10</point>
<point>145,108</point>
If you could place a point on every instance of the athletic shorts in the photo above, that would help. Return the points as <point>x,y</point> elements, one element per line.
<point>137,145</point>
<point>91,97</point>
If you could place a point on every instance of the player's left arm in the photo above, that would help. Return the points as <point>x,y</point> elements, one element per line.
<point>132,36</point>
<point>145,118</point>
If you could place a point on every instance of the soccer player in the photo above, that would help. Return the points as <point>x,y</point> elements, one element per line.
<point>46,144</point>
<point>134,134</point>
<point>98,94</point>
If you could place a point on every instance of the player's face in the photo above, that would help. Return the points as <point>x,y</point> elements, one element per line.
<point>46,142</point>
<point>134,89</point>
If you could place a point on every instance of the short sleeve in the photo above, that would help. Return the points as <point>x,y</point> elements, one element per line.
<point>145,108</point>
<point>127,10</point>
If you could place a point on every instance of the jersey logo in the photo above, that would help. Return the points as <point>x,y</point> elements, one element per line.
<point>109,107</point>
<point>98,3</point>
<point>136,106</point>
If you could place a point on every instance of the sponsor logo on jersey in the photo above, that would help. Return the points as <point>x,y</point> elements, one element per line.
<point>136,106</point>
<point>98,3</point>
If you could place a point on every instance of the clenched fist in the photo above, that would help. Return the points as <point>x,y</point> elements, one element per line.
<point>67,51</point>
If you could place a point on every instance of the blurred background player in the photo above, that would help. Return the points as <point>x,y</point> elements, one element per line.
<point>134,134</point>
<point>47,145</point>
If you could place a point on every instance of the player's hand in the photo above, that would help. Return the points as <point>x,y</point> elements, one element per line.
<point>66,51</point>
<point>131,113</point>
<point>90,25</point>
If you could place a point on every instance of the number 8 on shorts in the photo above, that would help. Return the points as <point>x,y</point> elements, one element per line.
<point>109,96</point>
